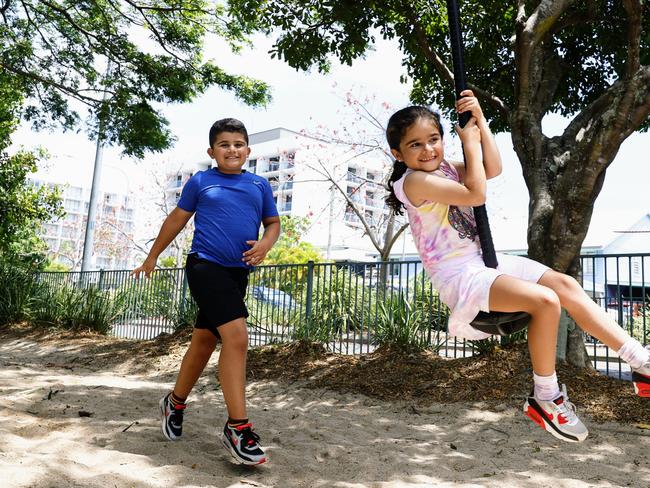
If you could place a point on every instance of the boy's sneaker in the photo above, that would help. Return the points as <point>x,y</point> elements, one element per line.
<point>557,417</point>
<point>641,380</point>
<point>243,444</point>
<point>171,417</point>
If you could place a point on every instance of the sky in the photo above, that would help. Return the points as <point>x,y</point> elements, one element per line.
<point>304,100</point>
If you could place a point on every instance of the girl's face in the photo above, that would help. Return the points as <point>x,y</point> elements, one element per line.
<point>421,146</point>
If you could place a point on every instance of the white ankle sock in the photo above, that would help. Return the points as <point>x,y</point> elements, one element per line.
<point>546,387</point>
<point>633,353</point>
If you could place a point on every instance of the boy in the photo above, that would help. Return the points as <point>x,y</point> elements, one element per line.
<point>229,204</point>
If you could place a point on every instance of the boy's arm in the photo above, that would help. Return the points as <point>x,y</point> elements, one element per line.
<point>259,249</point>
<point>172,225</point>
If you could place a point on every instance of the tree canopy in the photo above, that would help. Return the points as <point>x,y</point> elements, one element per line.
<point>586,59</point>
<point>117,59</point>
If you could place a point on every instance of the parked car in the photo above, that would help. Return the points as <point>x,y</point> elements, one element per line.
<point>273,296</point>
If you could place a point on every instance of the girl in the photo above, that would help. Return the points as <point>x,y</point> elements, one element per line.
<point>438,196</point>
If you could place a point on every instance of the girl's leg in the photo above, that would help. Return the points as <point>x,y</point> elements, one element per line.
<point>509,294</point>
<point>232,366</point>
<point>545,407</point>
<point>194,362</point>
<point>588,314</point>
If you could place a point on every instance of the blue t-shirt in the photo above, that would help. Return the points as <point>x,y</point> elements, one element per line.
<point>229,211</point>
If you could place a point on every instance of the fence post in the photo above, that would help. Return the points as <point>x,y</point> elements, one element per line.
<point>310,289</point>
<point>101,279</point>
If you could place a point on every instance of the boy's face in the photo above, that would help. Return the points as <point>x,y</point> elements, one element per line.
<point>230,151</point>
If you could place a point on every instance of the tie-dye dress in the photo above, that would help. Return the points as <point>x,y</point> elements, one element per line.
<point>446,239</point>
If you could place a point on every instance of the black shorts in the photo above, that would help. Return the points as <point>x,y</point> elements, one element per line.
<point>218,291</point>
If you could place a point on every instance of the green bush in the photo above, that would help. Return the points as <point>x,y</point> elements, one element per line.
<point>77,308</point>
<point>337,301</point>
<point>401,323</point>
<point>17,285</point>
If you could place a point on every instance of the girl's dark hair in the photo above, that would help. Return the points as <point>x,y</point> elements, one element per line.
<point>227,125</point>
<point>398,124</point>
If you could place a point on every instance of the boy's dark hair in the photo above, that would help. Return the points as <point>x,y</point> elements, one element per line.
<point>398,124</point>
<point>227,125</point>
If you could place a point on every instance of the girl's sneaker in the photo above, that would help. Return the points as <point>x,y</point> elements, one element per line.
<point>171,418</point>
<point>641,380</point>
<point>243,444</point>
<point>557,417</point>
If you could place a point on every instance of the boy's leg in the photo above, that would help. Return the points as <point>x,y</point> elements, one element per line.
<point>172,405</point>
<point>547,406</point>
<point>232,366</point>
<point>196,358</point>
<point>238,436</point>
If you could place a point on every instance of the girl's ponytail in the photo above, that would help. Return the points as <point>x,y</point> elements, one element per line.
<point>399,168</point>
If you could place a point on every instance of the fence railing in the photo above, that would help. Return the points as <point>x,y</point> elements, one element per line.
<point>353,306</point>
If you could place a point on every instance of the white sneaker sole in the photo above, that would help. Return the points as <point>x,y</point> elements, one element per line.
<point>234,454</point>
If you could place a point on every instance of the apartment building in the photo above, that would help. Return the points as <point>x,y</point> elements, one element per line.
<point>115,214</point>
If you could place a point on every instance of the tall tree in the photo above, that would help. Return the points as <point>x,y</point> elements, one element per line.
<point>585,59</point>
<point>113,60</point>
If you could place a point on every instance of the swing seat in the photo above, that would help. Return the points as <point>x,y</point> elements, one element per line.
<point>501,323</point>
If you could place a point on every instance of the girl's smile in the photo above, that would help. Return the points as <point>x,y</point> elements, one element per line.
<point>421,147</point>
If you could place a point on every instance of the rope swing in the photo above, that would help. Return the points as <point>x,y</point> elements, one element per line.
<point>497,323</point>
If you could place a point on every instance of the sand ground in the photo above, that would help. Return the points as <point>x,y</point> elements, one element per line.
<point>73,419</point>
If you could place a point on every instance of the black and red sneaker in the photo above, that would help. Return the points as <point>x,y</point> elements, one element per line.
<point>558,417</point>
<point>171,418</point>
<point>641,380</point>
<point>243,444</point>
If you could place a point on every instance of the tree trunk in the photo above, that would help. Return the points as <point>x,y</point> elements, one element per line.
<point>565,174</point>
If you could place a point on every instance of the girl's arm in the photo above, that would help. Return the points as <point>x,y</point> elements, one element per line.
<point>421,186</point>
<point>172,225</point>
<point>491,156</point>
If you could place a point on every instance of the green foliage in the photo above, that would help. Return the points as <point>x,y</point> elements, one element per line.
<point>23,209</point>
<point>156,296</point>
<point>290,249</point>
<point>400,323</point>
<point>77,307</point>
<point>17,285</point>
<point>338,299</point>
<point>56,266</point>
<point>167,262</point>
<point>55,53</point>
<point>583,45</point>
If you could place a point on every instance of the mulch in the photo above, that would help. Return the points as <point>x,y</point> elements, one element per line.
<point>501,377</point>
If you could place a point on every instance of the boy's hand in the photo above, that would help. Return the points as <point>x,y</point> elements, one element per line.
<point>469,103</point>
<point>256,254</point>
<point>147,267</point>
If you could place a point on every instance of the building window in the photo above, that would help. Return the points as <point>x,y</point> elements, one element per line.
<point>252,165</point>
<point>287,203</point>
<point>274,163</point>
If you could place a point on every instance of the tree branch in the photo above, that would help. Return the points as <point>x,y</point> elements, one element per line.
<point>447,75</point>
<point>634,10</point>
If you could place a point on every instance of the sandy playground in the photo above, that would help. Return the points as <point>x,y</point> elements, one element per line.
<point>83,412</point>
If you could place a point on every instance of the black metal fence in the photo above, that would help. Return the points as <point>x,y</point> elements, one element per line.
<point>352,307</point>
